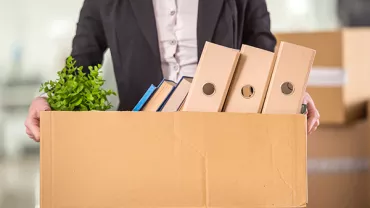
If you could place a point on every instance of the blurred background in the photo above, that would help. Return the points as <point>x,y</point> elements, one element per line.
<point>35,39</point>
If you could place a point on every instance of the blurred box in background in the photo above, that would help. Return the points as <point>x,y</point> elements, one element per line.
<point>339,81</point>
<point>338,166</point>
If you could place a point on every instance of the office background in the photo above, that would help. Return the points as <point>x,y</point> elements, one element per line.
<point>35,38</point>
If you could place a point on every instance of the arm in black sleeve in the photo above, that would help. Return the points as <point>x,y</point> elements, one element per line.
<point>89,43</point>
<point>257,30</point>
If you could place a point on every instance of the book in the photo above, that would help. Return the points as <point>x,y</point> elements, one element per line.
<point>182,105</point>
<point>160,96</point>
<point>178,96</point>
<point>212,79</point>
<point>139,106</point>
<point>250,82</point>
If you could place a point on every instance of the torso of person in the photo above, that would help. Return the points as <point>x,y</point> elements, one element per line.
<point>176,22</point>
<point>152,40</point>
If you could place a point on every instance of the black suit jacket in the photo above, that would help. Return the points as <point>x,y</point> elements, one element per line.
<point>128,28</point>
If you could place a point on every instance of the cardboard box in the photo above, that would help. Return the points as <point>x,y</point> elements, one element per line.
<point>181,159</point>
<point>337,190</point>
<point>340,73</point>
<point>338,169</point>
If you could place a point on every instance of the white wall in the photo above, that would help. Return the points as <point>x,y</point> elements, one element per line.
<point>8,32</point>
<point>302,15</point>
<point>43,28</point>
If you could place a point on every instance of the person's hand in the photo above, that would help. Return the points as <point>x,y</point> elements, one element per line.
<point>313,116</point>
<point>32,122</point>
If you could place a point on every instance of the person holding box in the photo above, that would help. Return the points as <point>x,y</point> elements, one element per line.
<point>154,39</point>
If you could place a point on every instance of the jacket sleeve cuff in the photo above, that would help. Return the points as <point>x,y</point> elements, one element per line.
<point>44,95</point>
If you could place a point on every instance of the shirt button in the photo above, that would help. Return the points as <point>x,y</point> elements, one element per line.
<point>176,68</point>
<point>173,42</point>
<point>172,13</point>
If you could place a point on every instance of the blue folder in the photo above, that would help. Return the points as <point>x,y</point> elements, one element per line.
<point>148,94</point>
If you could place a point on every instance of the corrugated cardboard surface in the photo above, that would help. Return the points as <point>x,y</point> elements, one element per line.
<point>357,65</point>
<point>339,141</point>
<point>337,190</point>
<point>328,45</point>
<point>329,102</point>
<point>182,159</point>
<point>338,166</point>
<point>345,50</point>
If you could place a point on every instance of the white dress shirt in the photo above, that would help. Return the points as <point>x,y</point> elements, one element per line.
<point>177,35</point>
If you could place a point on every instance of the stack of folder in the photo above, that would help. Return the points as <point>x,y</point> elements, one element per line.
<point>250,80</point>
<point>167,97</point>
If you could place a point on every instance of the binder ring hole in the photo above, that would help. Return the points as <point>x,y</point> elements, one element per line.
<point>209,89</point>
<point>247,91</point>
<point>287,88</point>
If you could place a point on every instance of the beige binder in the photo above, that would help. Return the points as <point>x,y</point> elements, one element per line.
<point>212,79</point>
<point>251,79</point>
<point>289,79</point>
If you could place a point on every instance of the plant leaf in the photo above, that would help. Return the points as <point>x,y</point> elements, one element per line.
<point>75,90</point>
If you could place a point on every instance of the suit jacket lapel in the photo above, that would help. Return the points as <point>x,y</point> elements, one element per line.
<point>208,14</point>
<point>144,13</point>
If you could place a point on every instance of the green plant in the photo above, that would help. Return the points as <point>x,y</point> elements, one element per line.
<point>75,90</point>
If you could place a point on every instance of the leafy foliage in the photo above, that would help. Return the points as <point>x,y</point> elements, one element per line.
<point>75,90</point>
